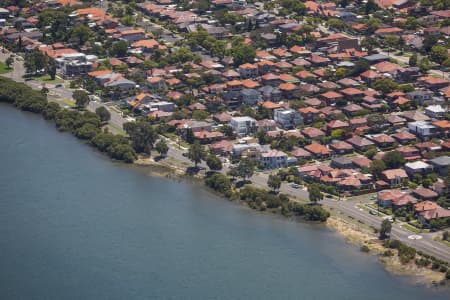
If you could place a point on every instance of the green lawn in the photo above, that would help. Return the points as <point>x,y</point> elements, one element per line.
<point>68,102</point>
<point>438,239</point>
<point>4,68</point>
<point>411,228</point>
<point>46,78</point>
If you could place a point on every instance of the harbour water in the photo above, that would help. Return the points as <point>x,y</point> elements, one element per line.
<point>74,225</point>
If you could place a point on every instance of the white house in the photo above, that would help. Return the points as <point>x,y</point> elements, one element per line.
<point>243,125</point>
<point>274,159</point>
<point>287,118</point>
<point>435,111</point>
<point>423,129</point>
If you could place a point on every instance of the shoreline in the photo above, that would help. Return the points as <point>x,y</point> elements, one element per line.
<point>350,230</point>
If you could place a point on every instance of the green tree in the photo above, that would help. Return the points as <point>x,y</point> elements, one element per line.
<point>424,65</point>
<point>413,60</point>
<point>393,159</point>
<point>81,33</point>
<point>385,230</point>
<point>315,193</point>
<point>385,85</point>
<point>51,70</point>
<point>438,54</point>
<point>162,148</point>
<point>103,114</point>
<point>196,153</point>
<point>370,7</point>
<point>376,167</point>
<point>243,54</point>
<point>213,162</point>
<point>274,182</point>
<point>142,135</point>
<point>81,98</point>
<point>9,61</point>
<point>119,49</point>
<point>246,168</point>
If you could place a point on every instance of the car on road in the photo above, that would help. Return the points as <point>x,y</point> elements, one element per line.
<point>295,185</point>
<point>185,154</point>
<point>59,85</point>
<point>373,212</point>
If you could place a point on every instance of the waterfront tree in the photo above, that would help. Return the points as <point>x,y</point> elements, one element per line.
<point>385,231</point>
<point>142,135</point>
<point>213,162</point>
<point>103,114</point>
<point>196,153</point>
<point>162,148</point>
<point>274,182</point>
<point>315,194</point>
<point>246,168</point>
<point>9,61</point>
<point>81,98</point>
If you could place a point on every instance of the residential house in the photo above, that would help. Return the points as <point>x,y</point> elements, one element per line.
<point>425,194</point>
<point>287,118</point>
<point>318,150</point>
<point>420,96</point>
<point>243,125</point>
<point>250,96</point>
<point>441,165</point>
<point>418,167</point>
<point>341,147</point>
<point>360,143</point>
<point>341,162</point>
<point>436,111</point>
<point>394,177</point>
<point>409,153</point>
<point>394,198</point>
<point>309,114</point>
<point>273,159</point>
<point>423,129</point>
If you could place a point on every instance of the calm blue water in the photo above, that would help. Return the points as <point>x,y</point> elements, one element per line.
<point>73,225</point>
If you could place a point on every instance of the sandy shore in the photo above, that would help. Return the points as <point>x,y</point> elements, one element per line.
<point>360,236</point>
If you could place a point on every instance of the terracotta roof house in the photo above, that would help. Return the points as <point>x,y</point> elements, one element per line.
<point>388,31</point>
<point>362,162</point>
<point>382,140</point>
<point>222,147</point>
<point>425,194</point>
<point>318,150</point>
<point>351,93</point>
<point>369,76</point>
<point>313,133</point>
<point>331,97</point>
<point>437,213</point>
<point>357,122</point>
<point>300,153</point>
<point>359,143</point>
<point>394,198</point>
<point>308,114</point>
<point>352,109</point>
<point>414,116</point>
<point>394,177</point>
<point>404,137</point>
<point>409,153</point>
<point>395,120</point>
<point>336,124</point>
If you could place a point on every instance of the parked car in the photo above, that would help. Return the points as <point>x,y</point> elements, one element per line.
<point>372,212</point>
<point>295,185</point>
